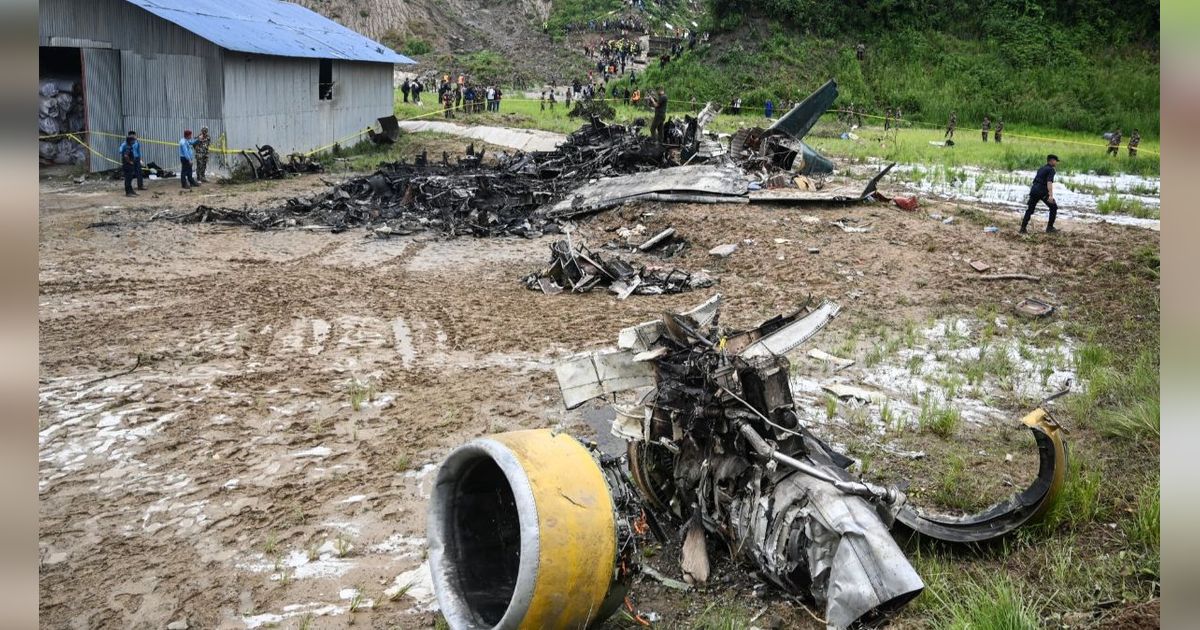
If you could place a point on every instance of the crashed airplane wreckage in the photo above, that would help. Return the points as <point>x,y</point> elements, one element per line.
<point>531,529</point>
<point>579,269</point>
<point>598,166</point>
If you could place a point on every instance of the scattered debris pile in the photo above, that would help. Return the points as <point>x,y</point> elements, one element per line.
<point>598,166</point>
<point>715,446</point>
<point>462,198</point>
<point>579,269</point>
<point>265,163</point>
<point>778,147</point>
<point>60,111</point>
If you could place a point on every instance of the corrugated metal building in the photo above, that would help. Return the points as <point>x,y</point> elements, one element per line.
<point>257,71</point>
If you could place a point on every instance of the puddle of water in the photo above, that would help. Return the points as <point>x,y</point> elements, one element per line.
<point>403,342</point>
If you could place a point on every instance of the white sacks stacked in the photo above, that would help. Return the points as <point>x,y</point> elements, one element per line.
<point>60,110</point>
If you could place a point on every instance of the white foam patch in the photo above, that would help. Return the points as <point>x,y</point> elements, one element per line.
<point>298,566</point>
<point>398,545</point>
<point>314,609</point>
<point>316,451</point>
<point>417,585</point>
<point>932,372</point>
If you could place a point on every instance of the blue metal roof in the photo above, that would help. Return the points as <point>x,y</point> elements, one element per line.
<point>269,27</point>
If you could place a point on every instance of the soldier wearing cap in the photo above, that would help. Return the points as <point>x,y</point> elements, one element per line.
<point>1042,190</point>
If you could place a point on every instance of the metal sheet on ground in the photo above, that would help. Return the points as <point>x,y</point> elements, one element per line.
<point>712,180</point>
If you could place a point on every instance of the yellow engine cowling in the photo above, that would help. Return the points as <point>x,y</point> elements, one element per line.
<point>522,534</point>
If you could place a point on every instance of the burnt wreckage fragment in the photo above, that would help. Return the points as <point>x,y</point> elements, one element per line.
<point>527,194</point>
<point>579,269</point>
<point>464,198</point>
<point>716,448</point>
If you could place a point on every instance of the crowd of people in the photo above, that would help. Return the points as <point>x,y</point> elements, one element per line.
<point>606,25</point>
<point>461,95</point>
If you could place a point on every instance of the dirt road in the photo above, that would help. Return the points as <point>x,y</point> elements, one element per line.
<point>238,428</point>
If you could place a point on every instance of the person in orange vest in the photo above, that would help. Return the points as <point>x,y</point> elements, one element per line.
<point>636,99</point>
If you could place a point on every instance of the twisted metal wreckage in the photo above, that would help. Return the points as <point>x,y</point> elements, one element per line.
<point>531,529</point>
<point>598,166</point>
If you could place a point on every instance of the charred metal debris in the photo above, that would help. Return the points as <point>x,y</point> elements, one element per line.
<point>264,163</point>
<point>578,269</point>
<point>527,194</point>
<point>716,449</point>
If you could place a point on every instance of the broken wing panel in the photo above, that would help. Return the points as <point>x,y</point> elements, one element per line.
<point>1019,509</point>
<point>584,378</point>
<point>639,338</point>
<point>787,338</point>
<point>723,181</point>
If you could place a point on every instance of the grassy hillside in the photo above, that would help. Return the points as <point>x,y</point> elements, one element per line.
<point>927,74</point>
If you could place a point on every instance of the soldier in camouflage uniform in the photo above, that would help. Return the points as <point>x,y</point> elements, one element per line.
<point>1134,140</point>
<point>1114,143</point>
<point>951,125</point>
<point>987,126</point>
<point>999,129</point>
<point>202,143</point>
<point>887,119</point>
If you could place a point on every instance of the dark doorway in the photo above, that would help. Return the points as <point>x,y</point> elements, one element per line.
<point>61,106</point>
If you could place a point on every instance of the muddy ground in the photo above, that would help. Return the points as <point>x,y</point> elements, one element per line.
<point>239,429</point>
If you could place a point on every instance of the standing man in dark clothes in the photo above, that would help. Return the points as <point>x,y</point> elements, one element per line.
<point>861,50</point>
<point>953,122</point>
<point>129,163</point>
<point>659,103</point>
<point>134,148</point>
<point>887,119</point>
<point>187,155</point>
<point>416,91</point>
<point>1042,190</point>
<point>1114,143</point>
<point>1134,140</point>
<point>404,88</point>
<point>987,126</point>
<point>999,129</point>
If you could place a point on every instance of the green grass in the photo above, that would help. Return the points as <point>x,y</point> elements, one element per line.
<point>954,488</point>
<point>1143,528</point>
<point>1118,399</point>
<point>359,393</point>
<point>722,615</point>
<point>940,420</point>
<point>1082,500</point>
<point>993,603</point>
<point>1115,204</point>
